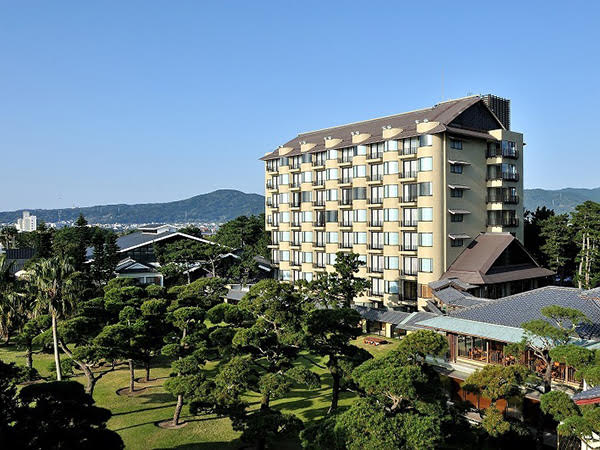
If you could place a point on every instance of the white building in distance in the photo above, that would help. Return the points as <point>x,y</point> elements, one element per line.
<point>27,223</point>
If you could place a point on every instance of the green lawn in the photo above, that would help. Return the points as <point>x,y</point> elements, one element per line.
<point>134,418</point>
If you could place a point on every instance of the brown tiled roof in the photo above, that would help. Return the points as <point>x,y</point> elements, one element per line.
<point>474,263</point>
<point>444,113</point>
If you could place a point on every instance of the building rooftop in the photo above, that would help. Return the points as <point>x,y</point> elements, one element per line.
<point>495,258</point>
<point>449,114</point>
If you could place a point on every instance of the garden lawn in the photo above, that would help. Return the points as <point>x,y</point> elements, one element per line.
<point>135,418</point>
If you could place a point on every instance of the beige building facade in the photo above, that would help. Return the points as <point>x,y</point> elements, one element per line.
<point>406,192</point>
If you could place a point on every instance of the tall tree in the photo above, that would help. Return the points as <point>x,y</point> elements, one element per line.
<point>556,232</point>
<point>53,279</point>
<point>586,222</point>
<point>533,240</point>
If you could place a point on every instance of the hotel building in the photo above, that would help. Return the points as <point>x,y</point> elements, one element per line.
<point>407,192</point>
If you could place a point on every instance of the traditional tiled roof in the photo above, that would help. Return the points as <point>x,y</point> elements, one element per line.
<point>519,308</point>
<point>588,396</point>
<point>445,282</point>
<point>453,297</point>
<point>382,315</point>
<point>444,113</point>
<point>411,323</point>
<point>501,333</point>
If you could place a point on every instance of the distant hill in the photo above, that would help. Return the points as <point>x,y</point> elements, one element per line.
<point>561,200</point>
<point>218,206</point>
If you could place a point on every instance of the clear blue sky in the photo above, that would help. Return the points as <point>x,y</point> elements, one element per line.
<point>141,101</point>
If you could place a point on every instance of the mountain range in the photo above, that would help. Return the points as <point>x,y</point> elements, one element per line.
<point>226,204</point>
<point>218,206</point>
<point>560,200</point>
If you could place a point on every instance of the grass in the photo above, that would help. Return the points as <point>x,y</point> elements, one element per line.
<point>134,418</point>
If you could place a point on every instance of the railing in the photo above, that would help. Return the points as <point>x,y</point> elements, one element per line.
<point>408,199</point>
<point>318,203</point>
<point>509,199</point>
<point>508,176</point>
<point>409,223</point>
<point>294,185</point>
<point>318,163</point>
<point>345,159</point>
<point>319,183</point>
<point>376,246</point>
<point>320,244</point>
<point>376,201</point>
<point>408,248</point>
<point>345,244</point>
<point>346,201</point>
<point>374,155</point>
<point>494,153</point>
<point>409,174</point>
<point>295,204</point>
<point>410,273</point>
<point>295,224</point>
<point>374,293</point>
<point>375,223</point>
<point>345,180</point>
<point>505,222</point>
<point>408,151</point>
<point>319,223</point>
<point>375,269</point>
<point>345,223</point>
<point>375,177</point>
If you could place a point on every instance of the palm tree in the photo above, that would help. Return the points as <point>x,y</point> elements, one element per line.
<point>53,280</point>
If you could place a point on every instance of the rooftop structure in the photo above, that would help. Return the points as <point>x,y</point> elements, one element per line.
<point>27,223</point>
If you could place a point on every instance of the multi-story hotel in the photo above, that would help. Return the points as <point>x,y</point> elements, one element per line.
<point>407,192</point>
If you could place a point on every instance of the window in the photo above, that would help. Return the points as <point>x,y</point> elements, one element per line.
<point>306,196</point>
<point>425,214</point>
<point>391,146</point>
<point>320,259</point>
<point>410,216</point>
<point>347,239</point>
<point>377,286</point>
<point>426,265</point>
<point>362,259</point>
<point>456,218</point>
<point>284,179</point>
<point>332,237</point>
<point>409,240</point>
<point>390,191</point>
<point>456,144</point>
<point>390,214</point>
<point>457,193</point>
<point>456,242</point>
<point>360,238</point>
<point>359,171</point>
<point>306,177</point>
<point>347,218</point>
<point>332,174</point>
<point>376,217</point>
<point>360,215</point>
<point>331,258</point>
<point>307,236</point>
<point>390,238</point>
<point>332,195</point>
<point>456,168</point>
<point>284,255</point>
<point>409,192</point>
<point>391,287</point>
<point>425,140</point>
<point>425,189</point>
<point>361,150</point>
<point>376,150</point>
<point>426,239</point>
<point>359,193</point>
<point>284,198</point>
<point>331,216</point>
<point>376,171</point>
<point>346,175</point>
<point>390,167</point>
<point>376,263</point>
<point>286,275</point>
<point>332,154</point>
<point>320,241</point>
<point>284,161</point>
<point>410,265</point>
<point>377,240</point>
<point>307,216</point>
<point>410,145</point>
<point>391,262</point>
<point>306,158</point>
<point>376,194</point>
<point>285,217</point>
<point>425,164</point>
<point>346,196</point>
<point>320,158</point>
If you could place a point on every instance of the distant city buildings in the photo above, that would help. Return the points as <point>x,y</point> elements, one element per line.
<point>27,223</point>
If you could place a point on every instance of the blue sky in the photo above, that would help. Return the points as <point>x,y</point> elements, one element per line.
<point>142,101</point>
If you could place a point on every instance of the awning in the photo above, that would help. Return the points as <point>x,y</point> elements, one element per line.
<point>459,186</point>
<point>459,211</point>
<point>459,162</point>
<point>458,236</point>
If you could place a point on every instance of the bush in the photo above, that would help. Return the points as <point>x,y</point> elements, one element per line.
<point>66,364</point>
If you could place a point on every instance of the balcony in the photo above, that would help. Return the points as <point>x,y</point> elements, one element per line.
<point>319,183</point>
<point>375,269</point>
<point>499,153</point>
<point>507,176</point>
<point>505,222</point>
<point>295,205</point>
<point>376,201</point>
<point>294,166</point>
<point>346,159</point>
<point>345,180</point>
<point>376,246</point>
<point>409,174</point>
<point>319,265</point>
<point>346,224</point>
<point>345,244</point>
<point>375,178</point>
<point>319,244</point>
<point>408,248</point>
<point>409,273</point>
<point>319,163</point>
<point>508,199</point>
<point>271,185</point>
<point>375,223</point>
<point>408,199</point>
<point>373,293</point>
<point>346,202</point>
<point>319,224</point>
<point>319,204</point>
<point>409,223</point>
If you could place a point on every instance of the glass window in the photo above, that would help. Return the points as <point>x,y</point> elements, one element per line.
<point>456,217</point>
<point>391,262</point>
<point>307,257</point>
<point>425,264</point>
<point>360,238</point>
<point>425,140</point>
<point>425,214</point>
<point>332,174</point>
<point>307,177</point>
<point>331,216</point>
<point>286,275</point>
<point>285,217</point>
<point>457,193</point>
<point>284,255</point>
<point>361,150</point>
<point>332,237</point>
<point>284,179</point>
<point>359,171</point>
<point>360,215</point>
<point>391,146</point>
<point>425,189</point>
<point>307,216</point>
<point>306,196</point>
<point>390,191</point>
<point>426,239</point>
<point>390,238</point>
<point>456,242</point>
<point>455,144</point>
<point>391,287</point>
<point>359,193</point>
<point>284,198</point>
<point>426,164</point>
<point>331,258</point>
<point>332,194</point>
<point>456,168</point>
<point>307,236</point>
<point>390,167</point>
<point>332,154</point>
<point>390,214</point>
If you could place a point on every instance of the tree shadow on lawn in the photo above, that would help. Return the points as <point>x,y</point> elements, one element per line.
<point>205,446</point>
<point>169,405</point>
